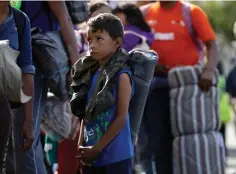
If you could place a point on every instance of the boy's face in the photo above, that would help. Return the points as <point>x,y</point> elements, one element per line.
<point>101,45</point>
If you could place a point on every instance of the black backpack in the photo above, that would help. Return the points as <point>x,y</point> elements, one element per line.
<point>47,49</point>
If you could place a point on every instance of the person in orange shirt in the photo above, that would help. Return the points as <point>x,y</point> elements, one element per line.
<point>174,43</point>
<point>176,46</point>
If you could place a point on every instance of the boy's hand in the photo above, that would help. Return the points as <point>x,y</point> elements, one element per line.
<point>205,81</point>
<point>87,155</point>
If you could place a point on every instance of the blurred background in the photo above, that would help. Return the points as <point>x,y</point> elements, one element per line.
<point>222,15</point>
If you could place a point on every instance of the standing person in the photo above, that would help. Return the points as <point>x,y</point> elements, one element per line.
<point>105,141</point>
<point>175,45</point>
<point>137,34</point>
<point>62,154</point>
<point>24,61</point>
<point>68,148</point>
<point>137,31</point>
<point>48,16</point>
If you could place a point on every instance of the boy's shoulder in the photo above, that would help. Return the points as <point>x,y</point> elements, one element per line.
<point>126,70</point>
<point>120,76</point>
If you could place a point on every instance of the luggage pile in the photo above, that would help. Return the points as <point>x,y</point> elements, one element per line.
<point>198,147</point>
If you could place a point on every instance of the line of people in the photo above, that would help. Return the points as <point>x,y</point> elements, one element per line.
<point>180,37</point>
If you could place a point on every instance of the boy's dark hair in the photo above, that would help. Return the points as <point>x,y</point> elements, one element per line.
<point>108,22</point>
<point>94,7</point>
<point>133,16</point>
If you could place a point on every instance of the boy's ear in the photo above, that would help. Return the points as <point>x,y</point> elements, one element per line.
<point>119,42</point>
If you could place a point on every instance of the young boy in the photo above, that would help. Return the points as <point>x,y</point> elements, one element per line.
<point>60,155</point>
<point>108,148</point>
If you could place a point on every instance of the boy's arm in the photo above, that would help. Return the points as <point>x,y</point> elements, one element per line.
<point>124,93</point>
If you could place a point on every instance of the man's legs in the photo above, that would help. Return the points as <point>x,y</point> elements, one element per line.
<point>157,122</point>
<point>30,162</point>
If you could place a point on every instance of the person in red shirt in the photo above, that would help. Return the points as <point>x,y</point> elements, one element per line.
<point>175,47</point>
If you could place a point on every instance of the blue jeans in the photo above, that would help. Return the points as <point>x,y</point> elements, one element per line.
<point>30,162</point>
<point>156,124</point>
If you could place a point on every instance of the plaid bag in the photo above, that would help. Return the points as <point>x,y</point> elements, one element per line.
<point>187,75</point>
<point>58,121</point>
<point>192,111</point>
<point>199,154</point>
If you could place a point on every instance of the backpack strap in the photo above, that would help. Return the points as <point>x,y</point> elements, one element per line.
<point>19,18</point>
<point>187,17</point>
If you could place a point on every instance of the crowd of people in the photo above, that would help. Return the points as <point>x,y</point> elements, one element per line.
<point>87,130</point>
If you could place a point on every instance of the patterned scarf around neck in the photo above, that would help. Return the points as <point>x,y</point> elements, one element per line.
<point>102,97</point>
